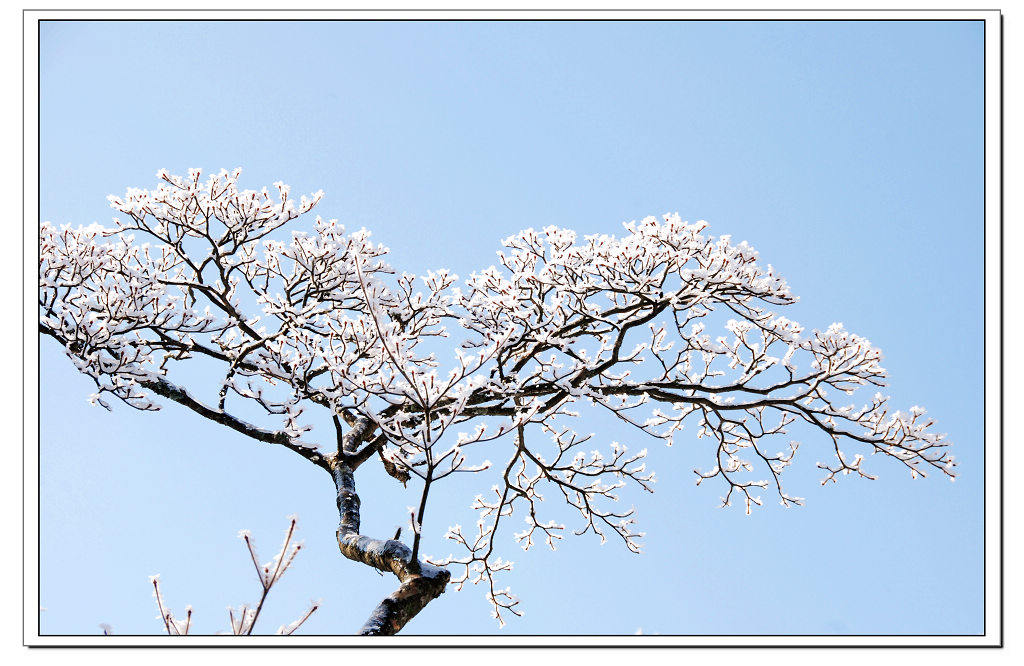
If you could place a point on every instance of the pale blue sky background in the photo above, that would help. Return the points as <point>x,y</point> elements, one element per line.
<point>848,153</point>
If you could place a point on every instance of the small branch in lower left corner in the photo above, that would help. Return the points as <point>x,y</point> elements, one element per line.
<point>268,573</point>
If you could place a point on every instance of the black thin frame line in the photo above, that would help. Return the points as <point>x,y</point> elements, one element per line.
<point>1002,330</point>
<point>581,636</point>
<point>24,343</point>
<point>507,20</point>
<point>517,10</point>
<point>427,646</point>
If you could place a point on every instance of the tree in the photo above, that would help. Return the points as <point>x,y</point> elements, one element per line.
<point>319,321</point>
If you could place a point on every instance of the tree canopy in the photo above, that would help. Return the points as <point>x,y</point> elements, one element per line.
<point>430,376</point>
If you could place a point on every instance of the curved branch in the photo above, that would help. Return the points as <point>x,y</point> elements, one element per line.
<point>162,387</point>
<point>167,389</point>
<point>420,582</point>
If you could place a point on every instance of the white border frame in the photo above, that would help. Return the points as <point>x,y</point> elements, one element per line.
<point>994,621</point>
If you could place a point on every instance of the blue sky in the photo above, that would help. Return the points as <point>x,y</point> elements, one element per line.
<point>848,153</point>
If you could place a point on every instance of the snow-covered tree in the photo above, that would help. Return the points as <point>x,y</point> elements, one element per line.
<point>317,320</point>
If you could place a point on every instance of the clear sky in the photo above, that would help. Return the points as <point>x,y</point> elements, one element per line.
<point>848,153</point>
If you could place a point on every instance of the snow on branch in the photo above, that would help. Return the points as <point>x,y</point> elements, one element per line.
<point>447,375</point>
<point>243,619</point>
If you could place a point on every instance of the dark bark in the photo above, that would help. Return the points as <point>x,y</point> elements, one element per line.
<point>162,387</point>
<point>420,582</point>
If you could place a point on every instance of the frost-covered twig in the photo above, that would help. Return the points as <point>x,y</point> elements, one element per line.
<point>245,621</point>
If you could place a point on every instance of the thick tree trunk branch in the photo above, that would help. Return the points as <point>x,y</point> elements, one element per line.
<point>420,582</point>
<point>404,603</point>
